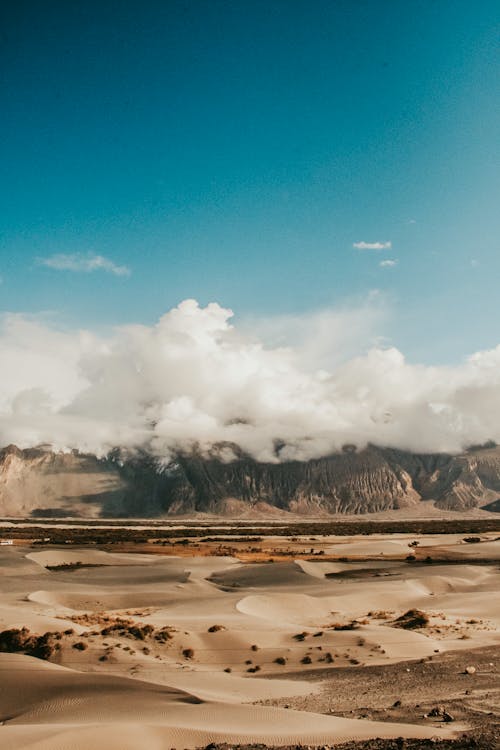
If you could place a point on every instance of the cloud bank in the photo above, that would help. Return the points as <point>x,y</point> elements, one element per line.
<point>83,264</point>
<point>195,380</point>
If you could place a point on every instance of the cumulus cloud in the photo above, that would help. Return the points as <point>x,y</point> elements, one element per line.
<point>79,263</point>
<point>195,380</point>
<point>372,245</point>
<point>388,263</point>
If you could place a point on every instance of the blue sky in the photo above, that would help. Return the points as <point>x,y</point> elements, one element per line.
<point>236,151</point>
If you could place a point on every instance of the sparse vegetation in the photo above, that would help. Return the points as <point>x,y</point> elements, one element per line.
<point>352,625</point>
<point>109,531</point>
<point>21,640</point>
<point>68,567</point>
<point>412,619</point>
<point>301,636</point>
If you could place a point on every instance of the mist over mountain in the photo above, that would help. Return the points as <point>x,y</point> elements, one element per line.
<point>41,483</point>
<point>281,390</point>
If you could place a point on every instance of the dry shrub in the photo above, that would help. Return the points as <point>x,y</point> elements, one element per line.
<point>301,636</point>
<point>412,619</point>
<point>353,625</point>
<point>21,640</point>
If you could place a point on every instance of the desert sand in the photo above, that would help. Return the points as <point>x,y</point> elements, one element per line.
<point>207,649</point>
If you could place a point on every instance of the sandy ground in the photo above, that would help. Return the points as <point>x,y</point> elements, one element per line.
<point>213,649</point>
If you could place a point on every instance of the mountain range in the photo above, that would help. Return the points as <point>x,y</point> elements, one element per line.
<point>38,482</point>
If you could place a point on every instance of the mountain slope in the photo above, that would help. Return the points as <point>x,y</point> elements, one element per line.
<point>38,482</point>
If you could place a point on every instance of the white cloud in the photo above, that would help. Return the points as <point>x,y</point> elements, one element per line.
<point>80,263</point>
<point>196,379</point>
<point>372,245</point>
<point>388,263</point>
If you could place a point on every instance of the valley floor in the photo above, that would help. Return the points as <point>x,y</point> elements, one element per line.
<point>110,649</point>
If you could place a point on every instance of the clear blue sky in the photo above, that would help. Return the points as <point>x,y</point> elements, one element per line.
<point>235,151</point>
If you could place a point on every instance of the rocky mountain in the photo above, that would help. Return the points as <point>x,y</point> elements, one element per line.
<point>38,482</point>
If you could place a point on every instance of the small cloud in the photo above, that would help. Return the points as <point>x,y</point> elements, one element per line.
<point>372,245</point>
<point>388,263</point>
<point>474,263</point>
<point>79,263</point>
<point>412,221</point>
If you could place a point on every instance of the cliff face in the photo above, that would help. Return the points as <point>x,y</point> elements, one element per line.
<point>38,482</point>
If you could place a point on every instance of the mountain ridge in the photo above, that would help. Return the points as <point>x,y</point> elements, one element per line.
<point>39,482</point>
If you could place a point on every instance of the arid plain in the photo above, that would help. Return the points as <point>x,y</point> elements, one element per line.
<point>314,640</point>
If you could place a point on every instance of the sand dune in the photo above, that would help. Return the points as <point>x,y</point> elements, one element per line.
<point>260,575</point>
<point>54,557</point>
<point>56,697</point>
<point>299,609</point>
<point>231,626</point>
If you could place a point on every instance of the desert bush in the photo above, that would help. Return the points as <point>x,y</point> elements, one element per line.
<point>15,639</point>
<point>353,625</point>
<point>163,635</point>
<point>139,632</point>
<point>21,640</point>
<point>301,636</point>
<point>412,619</point>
